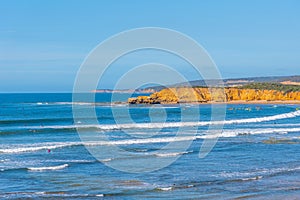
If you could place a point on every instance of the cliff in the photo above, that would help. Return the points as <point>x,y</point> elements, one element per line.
<point>202,95</point>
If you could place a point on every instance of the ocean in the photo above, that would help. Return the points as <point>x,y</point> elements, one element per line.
<point>46,153</point>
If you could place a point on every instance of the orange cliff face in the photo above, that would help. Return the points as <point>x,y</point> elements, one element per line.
<point>202,95</point>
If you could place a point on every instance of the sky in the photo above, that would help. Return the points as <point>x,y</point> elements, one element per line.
<point>43,43</point>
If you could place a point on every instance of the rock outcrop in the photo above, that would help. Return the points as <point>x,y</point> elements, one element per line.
<point>210,95</point>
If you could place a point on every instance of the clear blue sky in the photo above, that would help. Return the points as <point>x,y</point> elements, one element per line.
<point>43,43</point>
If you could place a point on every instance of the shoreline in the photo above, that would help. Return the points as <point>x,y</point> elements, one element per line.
<point>255,102</point>
<point>262,102</point>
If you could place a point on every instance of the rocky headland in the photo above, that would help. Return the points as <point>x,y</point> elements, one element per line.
<point>261,94</point>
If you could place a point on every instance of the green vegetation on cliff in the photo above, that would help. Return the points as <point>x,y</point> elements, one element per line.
<point>272,86</point>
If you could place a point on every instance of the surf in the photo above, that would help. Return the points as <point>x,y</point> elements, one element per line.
<point>107,127</point>
<point>58,167</point>
<point>166,139</point>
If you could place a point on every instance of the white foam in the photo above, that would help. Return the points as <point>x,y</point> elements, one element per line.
<point>172,154</point>
<point>39,193</point>
<point>252,178</point>
<point>225,133</point>
<point>258,173</point>
<point>107,127</point>
<point>46,146</point>
<point>165,188</point>
<point>38,147</point>
<point>48,168</point>
<point>236,132</point>
<point>278,125</point>
<point>280,170</point>
<point>182,124</point>
<point>69,161</point>
<point>110,104</point>
<point>106,160</point>
<point>42,103</point>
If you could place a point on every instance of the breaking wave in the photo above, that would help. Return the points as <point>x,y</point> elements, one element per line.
<point>38,147</point>
<point>205,135</point>
<point>48,168</point>
<point>248,175</point>
<point>107,127</point>
<point>173,154</point>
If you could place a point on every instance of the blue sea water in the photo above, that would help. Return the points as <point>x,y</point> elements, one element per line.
<point>257,156</point>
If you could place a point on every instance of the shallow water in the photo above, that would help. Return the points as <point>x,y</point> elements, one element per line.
<point>41,154</point>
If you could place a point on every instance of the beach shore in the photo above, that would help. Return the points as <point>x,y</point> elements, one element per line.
<point>233,103</point>
<point>253,102</point>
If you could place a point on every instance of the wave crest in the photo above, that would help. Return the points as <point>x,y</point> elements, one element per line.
<point>48,168</point>
<point>171,124</point>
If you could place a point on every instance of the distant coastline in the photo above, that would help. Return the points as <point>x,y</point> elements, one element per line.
<point>138,91</point>
<point>255,90</point>
<point>252,93</point>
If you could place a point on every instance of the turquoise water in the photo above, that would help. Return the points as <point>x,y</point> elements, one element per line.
<point>42,156</point>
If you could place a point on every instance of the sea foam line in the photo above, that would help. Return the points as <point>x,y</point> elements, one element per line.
<point>169,124</point>
<point>258,173</point>
<point>236,132</point>
<point>48,168</point>
<point>183,124</point>
<point>224,134</point>
<point>39,147</point>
